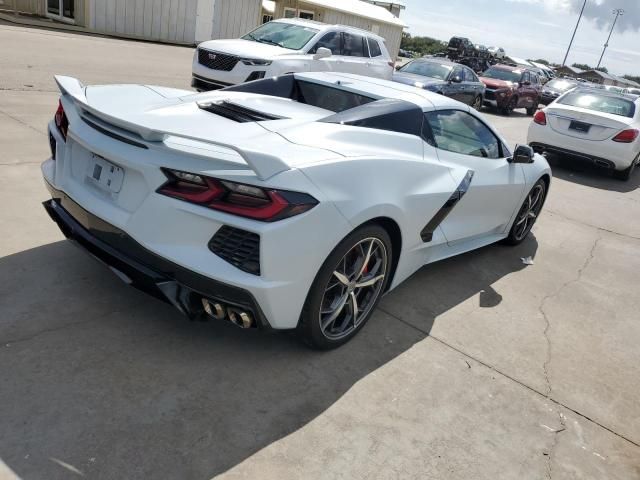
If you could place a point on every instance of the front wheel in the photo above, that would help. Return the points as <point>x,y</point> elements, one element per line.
<point>511,106</point>
<point>531,111</point>
<point>477,103</point>
<point>347,288</point>
<point>528,214</point>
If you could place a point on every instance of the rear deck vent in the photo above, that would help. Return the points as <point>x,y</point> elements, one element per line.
<point>238,247</point>
<point>237,113</point>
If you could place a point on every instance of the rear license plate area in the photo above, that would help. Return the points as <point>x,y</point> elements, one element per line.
<point>104,174</point>
<point>579,126</point>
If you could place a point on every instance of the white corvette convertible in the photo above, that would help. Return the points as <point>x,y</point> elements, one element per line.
<point>290,202</point>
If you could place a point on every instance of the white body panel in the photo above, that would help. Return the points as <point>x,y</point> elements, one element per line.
<point>357,174</point>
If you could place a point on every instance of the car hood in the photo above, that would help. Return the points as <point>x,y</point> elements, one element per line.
<point>412,79</point>
<point>494,83</point>
<point>246,48</point>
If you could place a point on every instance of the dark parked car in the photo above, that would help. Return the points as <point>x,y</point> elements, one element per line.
<point>443,77</point>
<point>460,47</point>
<point>476,64</point>
<point>554,88</point>
<point>510,87</point>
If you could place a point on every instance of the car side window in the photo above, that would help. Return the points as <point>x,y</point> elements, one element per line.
<point>374,48</point>
<point>353,45</point>
<point>469,76</point>
<point>460,132</point>
<point>525,77</point>
<point>457,72</point>
<point>332,41</point>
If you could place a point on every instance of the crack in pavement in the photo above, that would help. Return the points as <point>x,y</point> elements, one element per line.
<point>509,377</point>
<point>546,298</point>
<point>16,119</point>
<point>579,222</point>
<point>26,89</point>
<point>549,455</point>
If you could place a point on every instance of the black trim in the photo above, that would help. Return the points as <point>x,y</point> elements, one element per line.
<point>204,84</point>
<point>542,148</point>
<point>114,135</point>
<point>237,113</point>
<point>427,232</point>
<point>146,271</point>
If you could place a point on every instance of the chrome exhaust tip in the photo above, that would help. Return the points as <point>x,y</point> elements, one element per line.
<point>214,309</point>
<point>240,318</point>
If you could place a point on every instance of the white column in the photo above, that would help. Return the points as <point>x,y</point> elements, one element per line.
<point>204,20</point>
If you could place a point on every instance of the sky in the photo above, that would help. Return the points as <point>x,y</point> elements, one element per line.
<point>536,28</point>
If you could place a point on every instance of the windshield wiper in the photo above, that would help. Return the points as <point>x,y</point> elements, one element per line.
<point>270,42</point>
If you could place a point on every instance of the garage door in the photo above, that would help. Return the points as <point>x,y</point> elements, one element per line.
<point>162,20</point>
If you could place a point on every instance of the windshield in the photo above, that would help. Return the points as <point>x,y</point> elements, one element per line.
<point>561,85</point>
<point>505,75</point>
<point>428,69</point>
<point>600,103</point>
<point>286,35</point>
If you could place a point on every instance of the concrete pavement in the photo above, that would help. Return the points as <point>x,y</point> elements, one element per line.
<point>477,367</point>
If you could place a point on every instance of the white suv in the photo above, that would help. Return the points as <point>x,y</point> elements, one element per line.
<point>287,46</point>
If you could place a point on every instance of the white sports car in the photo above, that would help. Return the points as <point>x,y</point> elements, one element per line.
<point>290,202</point>
<point>593,124</point>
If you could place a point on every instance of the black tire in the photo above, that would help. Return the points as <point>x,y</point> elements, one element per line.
<point>527,215</point>
<point>532,111</point>
<point>511,106</point>
<point>625,174</point>
<point>477,103</point>
<point>327,290</point>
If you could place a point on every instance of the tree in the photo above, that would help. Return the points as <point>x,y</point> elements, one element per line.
<point>422,45</point>
<point>582,66</point>
<point>603,69</point>
<point>633,78</point>
<point>542,61</point>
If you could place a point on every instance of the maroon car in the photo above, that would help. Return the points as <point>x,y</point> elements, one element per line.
<point>510,87</point>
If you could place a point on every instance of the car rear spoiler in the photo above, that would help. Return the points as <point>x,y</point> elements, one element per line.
<point>263,164</point>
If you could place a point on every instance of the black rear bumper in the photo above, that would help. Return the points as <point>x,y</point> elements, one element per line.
<point>141,268</point>
<point>601,162</point>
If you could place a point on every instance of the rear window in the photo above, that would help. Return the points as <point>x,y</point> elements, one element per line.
<point>374,48</point>
<point>329,98</point>
<point>600,103</point>
<point>561,84</point>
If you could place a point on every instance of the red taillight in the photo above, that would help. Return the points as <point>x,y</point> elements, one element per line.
<point>540,118</point>
<point>266,205</point>
<point>626,136</point>
<point>61,120</point>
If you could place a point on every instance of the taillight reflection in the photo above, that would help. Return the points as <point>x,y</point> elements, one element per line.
<point>61,120</point>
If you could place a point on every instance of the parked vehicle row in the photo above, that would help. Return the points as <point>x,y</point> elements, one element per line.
<point>510,87</point>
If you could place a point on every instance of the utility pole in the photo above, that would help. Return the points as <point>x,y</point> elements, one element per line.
<point>574,33</point>
<point>617,12</point>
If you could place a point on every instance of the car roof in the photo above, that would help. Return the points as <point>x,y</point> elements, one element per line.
<point>438,60</point>
<point>512,68</point>
<point>324,27</point>
<point>376,87</point>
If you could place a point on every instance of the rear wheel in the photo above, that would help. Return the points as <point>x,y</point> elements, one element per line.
<point>528,214</point>
<point>347,288</point>
<point>625,174</point>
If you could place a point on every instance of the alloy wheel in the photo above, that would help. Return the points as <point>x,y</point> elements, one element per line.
<point>353,289</point>
<point>529,212</point>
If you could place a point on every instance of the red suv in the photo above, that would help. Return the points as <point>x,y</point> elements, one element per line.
<point>510,87</point>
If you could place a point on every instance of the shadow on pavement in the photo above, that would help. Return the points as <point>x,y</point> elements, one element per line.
<point>115,384</point>
<point>584,173</point>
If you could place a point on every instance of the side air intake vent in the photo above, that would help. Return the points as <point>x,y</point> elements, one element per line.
<point>238,247</point>
<point>237,113</point>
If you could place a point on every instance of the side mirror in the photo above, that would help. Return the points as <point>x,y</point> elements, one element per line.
<point>321,53</point>
<point>456,79</point>
<point>398,67</point>
<point>522,154</point>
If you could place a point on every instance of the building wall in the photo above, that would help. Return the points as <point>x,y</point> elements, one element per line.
<point>391,33</point>
<point>234,18</point>
<point>160,20</point>
<point>39,7</point>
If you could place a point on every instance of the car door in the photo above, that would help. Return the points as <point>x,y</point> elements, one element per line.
<point>378,65</point>
<point>332,41</point>
<point>496,187</point>
<point>356,53</point>
<point>455,90</point>
<point>469,85</point>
